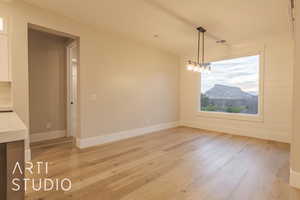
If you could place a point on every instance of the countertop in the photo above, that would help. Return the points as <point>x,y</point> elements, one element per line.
<point>5,107</point>
<point>11,128</point>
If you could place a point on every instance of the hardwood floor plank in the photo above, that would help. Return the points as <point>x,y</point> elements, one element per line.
<point>176,164</point>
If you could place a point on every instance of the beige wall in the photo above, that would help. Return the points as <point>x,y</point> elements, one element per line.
<point>130,79</point>
<point>135,85</point>
<point>47,82</point>
<point>5,94</point>
<point>277,104</point>
<point>295,155</point>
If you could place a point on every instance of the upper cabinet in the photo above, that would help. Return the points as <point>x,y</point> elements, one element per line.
<point>4,51</point>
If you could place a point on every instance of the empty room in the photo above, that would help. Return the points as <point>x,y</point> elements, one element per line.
<point>149,100</point>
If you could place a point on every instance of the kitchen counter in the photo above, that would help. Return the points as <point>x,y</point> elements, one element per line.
<point>11,128</point>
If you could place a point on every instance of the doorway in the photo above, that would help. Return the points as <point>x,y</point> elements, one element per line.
<point>53,65</point>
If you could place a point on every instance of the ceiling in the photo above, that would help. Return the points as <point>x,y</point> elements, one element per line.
<point>173,21</point>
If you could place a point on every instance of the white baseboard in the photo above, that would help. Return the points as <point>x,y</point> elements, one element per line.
<point>37,137</point>
<point>27,155</point>
<point>295,179</point>
<point>277,138</point>
<point>93,141</point>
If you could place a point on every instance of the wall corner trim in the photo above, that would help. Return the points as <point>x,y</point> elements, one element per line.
<point>113,137</point>
<point>27,155</point>
<point>294,179</point>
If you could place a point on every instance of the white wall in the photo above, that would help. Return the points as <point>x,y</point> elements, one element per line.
<point>295,147</point>
<point>277,104</point>
<point>135,85</point>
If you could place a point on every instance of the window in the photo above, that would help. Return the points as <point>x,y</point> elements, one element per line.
<point>232,86</point>
<point>1,24</point>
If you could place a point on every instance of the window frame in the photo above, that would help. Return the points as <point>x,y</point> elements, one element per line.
<point>237,116</point>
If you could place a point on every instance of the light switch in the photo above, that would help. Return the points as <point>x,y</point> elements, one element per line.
<point>48,125</point>
<point>93,97</point>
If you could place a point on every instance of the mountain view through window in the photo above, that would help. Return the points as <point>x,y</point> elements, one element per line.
<point>232,86</point>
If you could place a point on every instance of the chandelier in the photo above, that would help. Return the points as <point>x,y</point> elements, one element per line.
<point>199,65</point>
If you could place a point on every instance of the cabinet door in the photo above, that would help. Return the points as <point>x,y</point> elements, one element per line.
<point>15,153</point>
<point>4,61</point>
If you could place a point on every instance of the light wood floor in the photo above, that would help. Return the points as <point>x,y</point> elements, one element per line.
<point>175,164</point>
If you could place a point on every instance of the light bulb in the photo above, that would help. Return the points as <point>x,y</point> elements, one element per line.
<point>208,69</point>
<point>190,66</point>
<point>196,68</point>
<point>199,68</point>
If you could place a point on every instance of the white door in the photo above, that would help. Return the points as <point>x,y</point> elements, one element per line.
<point>72,89</point>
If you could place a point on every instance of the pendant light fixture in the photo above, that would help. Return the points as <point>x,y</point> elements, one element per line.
<point>199,65</point>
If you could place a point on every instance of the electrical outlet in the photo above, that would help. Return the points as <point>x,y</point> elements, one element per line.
<point>48,125</point>
<point>148,121</point>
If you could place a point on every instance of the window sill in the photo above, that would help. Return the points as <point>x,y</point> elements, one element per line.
<point>230,116</point>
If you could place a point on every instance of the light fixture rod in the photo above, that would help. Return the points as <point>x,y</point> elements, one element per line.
<point>202,48</point>
<point>200,30</point>
<point>198,54</point>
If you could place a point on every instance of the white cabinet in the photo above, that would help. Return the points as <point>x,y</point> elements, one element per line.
<point>4,58</point>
